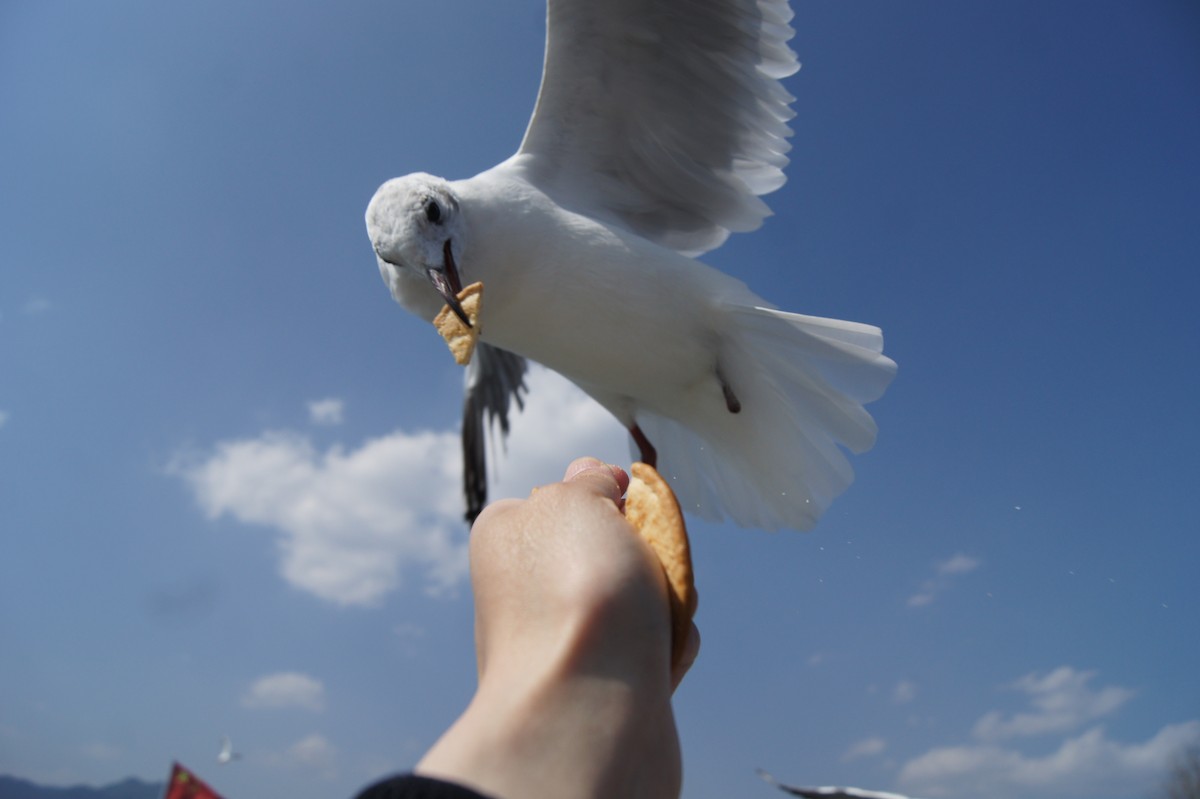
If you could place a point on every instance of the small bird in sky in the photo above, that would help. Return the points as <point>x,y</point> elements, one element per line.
<point>829,792</point>
<point>658,125</point>
<point>227,755</point>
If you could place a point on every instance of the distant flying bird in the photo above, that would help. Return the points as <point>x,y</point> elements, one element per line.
<point>227,755</point>
<point>829,792</point>
<point>658,125</point>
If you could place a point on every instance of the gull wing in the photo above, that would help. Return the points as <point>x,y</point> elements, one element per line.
<point>227,755</point>
<point>828,792</point>
<point>664,116</point>
<point>838,793</point>
<point>495,379</point>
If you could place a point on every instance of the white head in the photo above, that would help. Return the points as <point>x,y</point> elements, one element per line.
<point>415,227</point>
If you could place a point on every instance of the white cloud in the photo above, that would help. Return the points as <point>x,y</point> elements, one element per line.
<point>314,750</point>
<point>286,689</point>
<point>921,598</point>
<point>958,564</point>
<point>350,522</point>
<point>329,411</point>
<point>1086,763</point>
<point>904,692</point>
<point>312,753</point>
<point>867,747</point>
<point>1061,702</point>
<point>945,572</point>
<point>3,418</point>
<point>1090,764</point>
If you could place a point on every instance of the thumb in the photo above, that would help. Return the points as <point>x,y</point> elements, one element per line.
<point>602,478</point>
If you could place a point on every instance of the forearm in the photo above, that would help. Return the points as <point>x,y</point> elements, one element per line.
<point>587,736</point>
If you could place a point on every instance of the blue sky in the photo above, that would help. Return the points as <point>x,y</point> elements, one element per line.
<point>228,461</point>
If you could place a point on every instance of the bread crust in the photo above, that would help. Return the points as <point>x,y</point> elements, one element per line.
<point>460,338</point>
<point>653,510</point>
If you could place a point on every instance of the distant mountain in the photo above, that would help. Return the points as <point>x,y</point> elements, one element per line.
<point>14,788</point>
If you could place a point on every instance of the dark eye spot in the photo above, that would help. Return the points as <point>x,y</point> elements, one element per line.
<point>433,212</point>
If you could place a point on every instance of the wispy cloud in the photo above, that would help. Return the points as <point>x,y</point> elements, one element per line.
<point>3,417</point>
<point>867,747</point>
<point>904,692</point>
<point>944,574</point>
<point>329,411</point>
<point>1081,766</point>
<point>313,750</point>
<point>1086,762</point>
<point>1061,701</point>
<point>288,689</point>
<point>958,564</point>
<point>351,522</point>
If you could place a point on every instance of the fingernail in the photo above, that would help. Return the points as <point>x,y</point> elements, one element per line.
<point>581,465</point>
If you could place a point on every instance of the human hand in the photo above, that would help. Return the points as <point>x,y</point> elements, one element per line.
<point>573,644</point>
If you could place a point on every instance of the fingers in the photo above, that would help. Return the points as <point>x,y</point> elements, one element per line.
<point>603,479</point>
<point>612,482</point>
<point>598,478</point>
<point>570,529</point>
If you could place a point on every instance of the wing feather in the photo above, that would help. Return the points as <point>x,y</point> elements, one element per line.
<point>495,379</point>
<point>664,116</point>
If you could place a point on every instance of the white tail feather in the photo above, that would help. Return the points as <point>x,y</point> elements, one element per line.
<point>802,382</point>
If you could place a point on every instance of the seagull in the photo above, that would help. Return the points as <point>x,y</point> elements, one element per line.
<point>658,125</point>
<point>829,792</point>
<point>227,755</point>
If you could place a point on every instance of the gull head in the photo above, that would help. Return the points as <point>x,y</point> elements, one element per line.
<point>415,226</point>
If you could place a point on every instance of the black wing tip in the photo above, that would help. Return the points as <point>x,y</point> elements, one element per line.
<point>474,508</point>
<point>500,380</point>
<point>475,487</point>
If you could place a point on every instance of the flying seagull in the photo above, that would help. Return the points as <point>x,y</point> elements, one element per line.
<point>829,792</point>
<point>227,755</point>
<point>658,126</point>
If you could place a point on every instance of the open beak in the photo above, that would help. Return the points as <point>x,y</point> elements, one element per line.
<point>447,283</point>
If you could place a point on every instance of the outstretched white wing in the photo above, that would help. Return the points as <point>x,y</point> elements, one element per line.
<point>828,792</point>
<point>664,116</point>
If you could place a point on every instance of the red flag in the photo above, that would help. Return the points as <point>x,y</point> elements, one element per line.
<point>186,785</point>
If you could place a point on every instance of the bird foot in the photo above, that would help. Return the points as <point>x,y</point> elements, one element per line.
<point>648,453</point>
<point>731,400</point>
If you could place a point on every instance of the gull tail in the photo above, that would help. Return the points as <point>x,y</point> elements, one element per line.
<point>762,444</point>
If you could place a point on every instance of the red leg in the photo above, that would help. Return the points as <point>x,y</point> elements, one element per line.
<point>649,454</point>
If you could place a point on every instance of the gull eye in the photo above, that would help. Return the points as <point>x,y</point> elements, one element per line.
<point>433,212</point>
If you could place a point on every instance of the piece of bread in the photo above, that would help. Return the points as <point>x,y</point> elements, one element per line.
<point>651,507</point>
<point>460,338</point>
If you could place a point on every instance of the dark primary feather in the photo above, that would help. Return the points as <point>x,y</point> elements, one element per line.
<point>495,379</point>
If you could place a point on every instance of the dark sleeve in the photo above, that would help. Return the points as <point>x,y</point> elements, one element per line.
<point>414,786</point>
